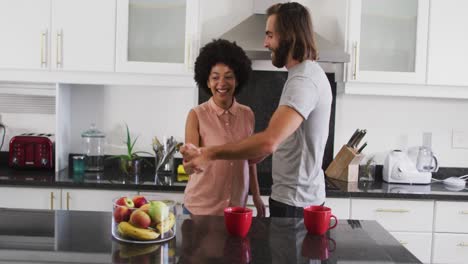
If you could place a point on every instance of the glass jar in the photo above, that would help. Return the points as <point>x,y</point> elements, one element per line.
<point>93,148</point>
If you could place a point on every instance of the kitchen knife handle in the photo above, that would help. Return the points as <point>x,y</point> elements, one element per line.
<point>52,197</point>
<point>68,201</point>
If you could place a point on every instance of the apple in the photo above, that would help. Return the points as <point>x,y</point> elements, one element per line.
<point>158,211</point>
<point>125,201</point>
<point>139,200</point>
<point>140,219</point>
<point>121,213</point>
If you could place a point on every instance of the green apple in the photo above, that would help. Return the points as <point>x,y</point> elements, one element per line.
<point>158,211</point>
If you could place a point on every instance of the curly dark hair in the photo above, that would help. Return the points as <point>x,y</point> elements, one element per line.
<point>228,53</point>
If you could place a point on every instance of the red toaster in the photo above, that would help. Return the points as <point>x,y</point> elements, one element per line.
<point>32,150</point>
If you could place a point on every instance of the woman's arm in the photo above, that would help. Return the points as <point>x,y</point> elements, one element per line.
<point>255,191</point>
<point>192,132</point>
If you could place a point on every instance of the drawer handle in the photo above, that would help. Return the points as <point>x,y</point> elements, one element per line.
<point>403,242</point>
<point>462,244</point>
<point>464,212</point>
<point>380,210</point>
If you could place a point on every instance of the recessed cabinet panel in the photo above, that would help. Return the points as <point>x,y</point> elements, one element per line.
<point>83,35</point>
<point>30,198</point>
<point>24,31</point>
<point>156,31</point>
<point>388,41</point>
<point>157,36</point>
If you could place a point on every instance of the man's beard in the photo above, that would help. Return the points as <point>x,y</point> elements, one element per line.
<point>280,54</point>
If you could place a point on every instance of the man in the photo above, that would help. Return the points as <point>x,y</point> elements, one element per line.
<point>298,130</point>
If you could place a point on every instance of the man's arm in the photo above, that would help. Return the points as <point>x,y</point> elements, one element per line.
<point>283,123</point>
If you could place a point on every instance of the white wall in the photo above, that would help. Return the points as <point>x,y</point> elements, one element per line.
<point>148,111</point>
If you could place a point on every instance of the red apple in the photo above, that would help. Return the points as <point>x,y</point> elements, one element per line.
<point>125,201</point>
<point>121,213</point>
<point>139,200</point>
<point>140,219</point>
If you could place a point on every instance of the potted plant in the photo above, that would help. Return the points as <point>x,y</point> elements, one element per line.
<point>131,162</point>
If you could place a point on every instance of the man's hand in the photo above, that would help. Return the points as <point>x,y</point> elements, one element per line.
<point>261,209</point>
<point>194,160</point>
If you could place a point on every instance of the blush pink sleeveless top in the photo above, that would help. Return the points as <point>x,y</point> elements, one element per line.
<point>224,182</point>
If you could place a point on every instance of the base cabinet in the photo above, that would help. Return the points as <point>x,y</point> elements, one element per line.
<point>91,200</point>
<point>450,248</point>
<point>30,198</point>
<point>417,243</point>
<point>340,207</point>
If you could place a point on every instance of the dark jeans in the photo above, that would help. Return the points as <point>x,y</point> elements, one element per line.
<point>278,209</point>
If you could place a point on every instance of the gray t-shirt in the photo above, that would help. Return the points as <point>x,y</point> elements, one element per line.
<point>298,178</point>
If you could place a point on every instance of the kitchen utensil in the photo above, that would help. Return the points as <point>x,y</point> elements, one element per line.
<point>352,138</point>
<point>361,148</point>
<point>32,150</point>
<point>93,148</point>
<point>359,137</point>
<point>398,168</point>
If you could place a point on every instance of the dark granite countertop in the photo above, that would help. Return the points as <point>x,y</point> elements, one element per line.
<point>112,179</point>
<point>42,236</point>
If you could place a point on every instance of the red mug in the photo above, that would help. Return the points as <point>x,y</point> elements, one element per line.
<point>317,219</point>
<point>238,220</point>
<point>317,247</point>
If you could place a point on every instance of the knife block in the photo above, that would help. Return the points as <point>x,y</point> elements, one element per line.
<point>345,166</point>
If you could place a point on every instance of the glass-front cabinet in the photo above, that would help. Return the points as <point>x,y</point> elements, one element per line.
<point>157,36</point>
<point>388,41</point>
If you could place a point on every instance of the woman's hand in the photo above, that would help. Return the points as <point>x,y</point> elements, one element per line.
<point>261,209</point>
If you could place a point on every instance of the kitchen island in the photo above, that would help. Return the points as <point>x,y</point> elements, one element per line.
<point>44,236</point>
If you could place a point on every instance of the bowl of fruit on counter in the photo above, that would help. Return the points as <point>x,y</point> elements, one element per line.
<point>142,219</point>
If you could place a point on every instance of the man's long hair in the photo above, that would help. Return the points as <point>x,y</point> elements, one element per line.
<point>294,26</point>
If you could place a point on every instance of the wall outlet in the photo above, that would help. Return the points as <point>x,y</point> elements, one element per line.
<point>460,139</point>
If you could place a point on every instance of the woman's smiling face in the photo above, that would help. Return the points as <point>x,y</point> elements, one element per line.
<point>222,83</point>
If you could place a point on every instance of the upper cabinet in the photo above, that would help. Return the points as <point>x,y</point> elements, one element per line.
<point>388,41</point>
<point>448,42</point>
<point>24,27</point>
<point>62,35</point>
<point>157,36</point>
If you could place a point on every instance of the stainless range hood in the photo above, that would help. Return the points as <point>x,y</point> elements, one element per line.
<point>249,34</point>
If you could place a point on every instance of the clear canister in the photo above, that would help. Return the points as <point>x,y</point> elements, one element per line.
<point>93,148</point>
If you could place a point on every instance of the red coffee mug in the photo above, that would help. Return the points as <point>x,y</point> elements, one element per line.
<point>317,219</point>
<point>238,220</point>
<point>317,247</point>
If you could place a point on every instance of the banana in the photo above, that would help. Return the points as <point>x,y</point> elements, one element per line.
<point>167,224</point>
<point>127,230</point>
<point>128,251</point>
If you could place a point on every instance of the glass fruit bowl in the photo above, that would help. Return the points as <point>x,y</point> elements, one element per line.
<point>143,219</point>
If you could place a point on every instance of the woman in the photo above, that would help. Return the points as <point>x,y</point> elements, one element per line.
<point>221,69</point>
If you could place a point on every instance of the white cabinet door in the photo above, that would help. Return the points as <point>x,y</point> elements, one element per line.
<point>395,215</point>
<point>83,35</point>
<point>420,244</point>
<point>451,217</point>
<point>450,248</point>
<point>24,31</point>
<point>448,40</point>
<point>388,41</point>
<point>30,198</point>
<point>91,200</point>
<point>340,207</point>
<point>157,36</point>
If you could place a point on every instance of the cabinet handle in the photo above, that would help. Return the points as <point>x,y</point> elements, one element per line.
<point>68,201</point>
<point>464,212</point>
<point>52,197</point>
<point>44,48</point>
<point>462,244</point>
<point>355,51</point>
<point>403,242</point>
<point>380,210</point>
<point>59,48</point>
